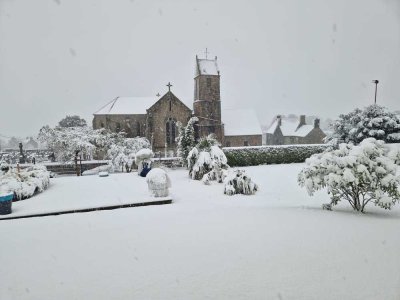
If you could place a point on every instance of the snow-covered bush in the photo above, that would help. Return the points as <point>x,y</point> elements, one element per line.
<point>359,174</point>
<point>373,121</point>
<point>158,182</point>
<point>238,182</point>
<point>122,155</point>
<point>260,155</point>
<point>143,158</point>
<point>206,157</point>
<point>26,183</point>
<point>186,140</point>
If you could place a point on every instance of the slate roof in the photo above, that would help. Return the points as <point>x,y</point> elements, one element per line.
<point>127,106</point>
<point>289,127</point>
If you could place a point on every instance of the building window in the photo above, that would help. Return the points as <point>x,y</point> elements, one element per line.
<point>208,82</point>
<point>102,125</point>
<point>246,143</point>
<point>170,131</point>
<point>227,144</point>
<point>170,105</point>
<point>137,129</point>
<point>118,127</point>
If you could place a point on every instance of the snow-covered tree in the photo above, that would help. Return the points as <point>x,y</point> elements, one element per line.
<point>206,157</point>
<point>122,154</point>
<point>72,121</point>
<point>186,139</point>
<point>374,121</point>
<point>100,143</point>
<point>359,174</point>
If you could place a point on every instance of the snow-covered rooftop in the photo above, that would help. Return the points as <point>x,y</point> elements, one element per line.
<point>207,67</point>
<point>289,127</point>
<point>127,106</point>
<point>241,122</point>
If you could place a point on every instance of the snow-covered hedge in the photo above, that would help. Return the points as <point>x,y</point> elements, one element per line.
<point>359,174</point>
<point>25,183</point>
<point>260,155</point>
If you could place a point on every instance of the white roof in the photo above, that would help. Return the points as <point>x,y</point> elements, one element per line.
<point>127,106</point>
<point>289,126</point>
<point>207,67</point>
<point>241,122</point>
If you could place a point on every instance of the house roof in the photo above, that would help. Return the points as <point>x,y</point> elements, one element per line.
<point>241,122</point>
<point>289,127</point>
<point>127,106</point>
<point>206,67</point>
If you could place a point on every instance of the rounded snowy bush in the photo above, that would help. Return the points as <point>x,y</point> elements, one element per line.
<point>158,182</point>
<point>143,158</point>
<point>358,174</point>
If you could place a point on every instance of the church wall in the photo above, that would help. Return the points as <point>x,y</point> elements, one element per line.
<point>157,117</point>
<point>132,125</point>
<point>240,140</point>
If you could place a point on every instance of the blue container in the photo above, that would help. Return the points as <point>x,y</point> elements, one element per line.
<point>5,203</point>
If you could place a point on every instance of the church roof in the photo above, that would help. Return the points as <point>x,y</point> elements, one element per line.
<point>127,106</point>
<point>241,122</point>
<point>206,67</point>
<point>289,127</point>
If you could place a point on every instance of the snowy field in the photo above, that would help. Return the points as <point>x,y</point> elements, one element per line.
<point>277,244</point>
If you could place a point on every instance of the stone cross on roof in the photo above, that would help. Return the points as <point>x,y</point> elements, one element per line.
<point>169,86</point>
<point>206,52</point>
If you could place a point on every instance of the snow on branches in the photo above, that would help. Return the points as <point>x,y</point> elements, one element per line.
<point>238,182</point>
<point>186,139</point>
<point>206,157</point>
<point>374,121</point>
<point>359,174</point>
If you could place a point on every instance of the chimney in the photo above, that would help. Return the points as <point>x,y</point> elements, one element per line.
<point>279,118</point>
<point>316,123</point>
<point>302,120</point>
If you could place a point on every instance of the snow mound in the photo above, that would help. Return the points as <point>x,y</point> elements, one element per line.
<point>158,182</point>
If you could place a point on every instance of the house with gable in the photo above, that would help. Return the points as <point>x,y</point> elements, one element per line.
<point>289,130</point>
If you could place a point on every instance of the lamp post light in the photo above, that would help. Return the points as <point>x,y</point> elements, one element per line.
<point>376,87</point>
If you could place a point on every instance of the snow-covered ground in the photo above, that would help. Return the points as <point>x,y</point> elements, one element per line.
<point>277,244</point>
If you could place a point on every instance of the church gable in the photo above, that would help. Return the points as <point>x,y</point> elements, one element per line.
<point>170,102</point>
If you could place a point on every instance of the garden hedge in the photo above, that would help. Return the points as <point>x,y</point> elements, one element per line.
<point>279,154</point>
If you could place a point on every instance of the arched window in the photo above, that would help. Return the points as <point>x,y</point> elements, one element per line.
<point>170,131</point>
<point>138,129</point>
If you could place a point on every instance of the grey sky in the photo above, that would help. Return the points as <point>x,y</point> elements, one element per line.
<point>60,57</point>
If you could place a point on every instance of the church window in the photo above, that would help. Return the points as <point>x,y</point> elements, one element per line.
<point>118,127</point>
<point>170,131</point>
<point>208,82</point>
<point>137,129</point>
<point>102,125</point>
<point>246,143</point>
<point>170,105</point>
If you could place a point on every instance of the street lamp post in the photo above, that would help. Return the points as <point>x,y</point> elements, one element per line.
<point>376,87</point>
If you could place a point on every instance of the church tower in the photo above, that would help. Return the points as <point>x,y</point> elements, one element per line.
<point>207,98</point>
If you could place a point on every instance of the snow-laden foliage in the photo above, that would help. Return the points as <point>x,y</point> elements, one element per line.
<point>238,182</point>
<point>373,121</point>
<point>186,140</point>
<point>26,182</point>
<point>143,158</point>
<point>206,157</point>
<point>122,155</point>
<point>72,121</point>
<point>261,155</point>
<point>359,174</point>
<point>100,143</point>
<point>158,182</point>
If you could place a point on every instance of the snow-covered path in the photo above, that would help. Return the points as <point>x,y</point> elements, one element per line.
<point>277,244</point>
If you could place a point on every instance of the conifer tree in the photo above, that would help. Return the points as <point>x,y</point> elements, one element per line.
<point>186,139</point>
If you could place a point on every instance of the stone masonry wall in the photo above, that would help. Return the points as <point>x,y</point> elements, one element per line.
<point>239,140</point>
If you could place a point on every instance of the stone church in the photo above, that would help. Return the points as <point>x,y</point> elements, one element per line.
<point>156,117</point>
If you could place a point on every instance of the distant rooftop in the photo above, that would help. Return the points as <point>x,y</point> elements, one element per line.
<point>241,122</point>
<point>289,127</point>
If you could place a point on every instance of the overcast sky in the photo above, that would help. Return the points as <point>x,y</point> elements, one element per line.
<point>313,57</point>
